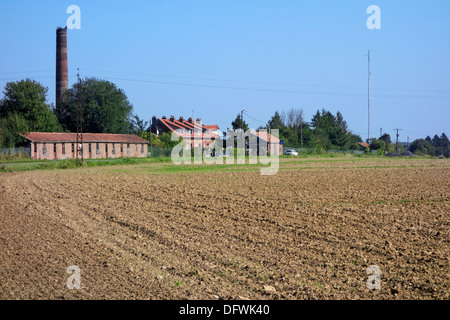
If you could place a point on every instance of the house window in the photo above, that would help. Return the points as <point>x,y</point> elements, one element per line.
<point>90,147</point>
<point>142,148</point>
<point>98,148</point>
<point>106,147</point>
<point>54,148</point>
<point>121,148</point>
<point>44,149</point>
<point>63,148</point>
<point>128,148</point>
<point>73,147</point>
<point>135,148</point>
<point>114,148</point>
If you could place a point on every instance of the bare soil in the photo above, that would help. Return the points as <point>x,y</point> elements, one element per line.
<point>308,232</point>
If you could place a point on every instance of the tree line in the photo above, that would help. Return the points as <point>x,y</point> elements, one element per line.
<point>437,146</point>
<point>324,131</point>
<point>106,109</point>
<point>327,131</point>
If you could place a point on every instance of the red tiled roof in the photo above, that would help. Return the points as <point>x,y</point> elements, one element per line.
<point>186,127</point>
<point>212,127</point>
<point>267,137</point>
<point>363,144</point>
<point>87,137</point>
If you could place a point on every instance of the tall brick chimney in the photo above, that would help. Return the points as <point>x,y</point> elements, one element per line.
<point>62,76</point>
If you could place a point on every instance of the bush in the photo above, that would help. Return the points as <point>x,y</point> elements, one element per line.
<point>12,155</point>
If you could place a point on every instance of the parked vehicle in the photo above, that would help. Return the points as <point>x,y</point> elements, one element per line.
<point>291,152</point>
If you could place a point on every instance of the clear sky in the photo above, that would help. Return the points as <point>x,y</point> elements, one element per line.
<point>213,58</point>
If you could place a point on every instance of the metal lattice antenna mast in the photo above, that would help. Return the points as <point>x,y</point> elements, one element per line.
<point>79,145</point>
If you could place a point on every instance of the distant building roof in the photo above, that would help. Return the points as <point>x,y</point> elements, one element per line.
<point>266,136</point>
<point>212,127</point>
<point>363,144</point>
<point>87,137</point>
<point>190,128</point>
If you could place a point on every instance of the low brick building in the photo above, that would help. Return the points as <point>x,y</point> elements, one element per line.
<point>52,145</point>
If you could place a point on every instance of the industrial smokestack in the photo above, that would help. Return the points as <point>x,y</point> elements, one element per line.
<point>62,76</point>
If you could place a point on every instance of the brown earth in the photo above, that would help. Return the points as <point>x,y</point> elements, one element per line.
<point>308,232</point>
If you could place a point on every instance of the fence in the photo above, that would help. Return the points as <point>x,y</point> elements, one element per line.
<point>166,152</point>
<point>159,152</point>
<point>321,151</point>
<point>15,152</point>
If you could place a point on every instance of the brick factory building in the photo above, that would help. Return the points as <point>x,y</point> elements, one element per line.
<point>52,146</point>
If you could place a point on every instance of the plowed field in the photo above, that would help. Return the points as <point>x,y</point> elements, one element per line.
<point>160,231</point>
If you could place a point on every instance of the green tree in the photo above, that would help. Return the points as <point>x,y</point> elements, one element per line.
<point>23,109</point>
<point>13,125</point>
<point>422,147</point>
<point>156,142</point>
<point>139,126</point>
<point>445,145</point>
<point>386,138</point>
<point>276,122</point>
<point>106,108</point>
<point>390,147</point>
<point>437,144</point>
<point>27,98</point>
<point>166,139</point>
<point>238,123</point>
<point>353,140</point>
<point>306,135</point>
<point>377,145</point>
<point>331,131</point>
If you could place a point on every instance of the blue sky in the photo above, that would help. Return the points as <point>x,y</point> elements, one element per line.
<point>211,59</point>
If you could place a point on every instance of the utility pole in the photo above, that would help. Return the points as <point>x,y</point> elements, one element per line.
<point>301,132</point>
<point>242,119</point>
<point>396,143</point>
<point>381,132</point>
<point>79,145</point>
<point>150,138</point>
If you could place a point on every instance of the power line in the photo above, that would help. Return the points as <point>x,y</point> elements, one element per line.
<point>275,90</point>
<point>271,90</point>
<point>262,82</point>
<point>232,80</point>
<point>32,71</point>
<point>254,118</point>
